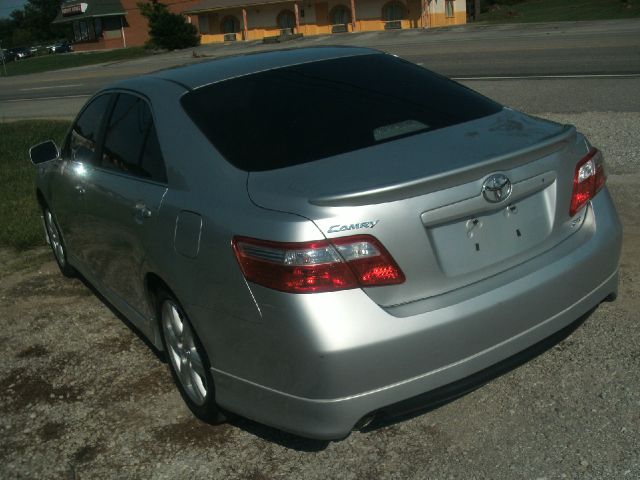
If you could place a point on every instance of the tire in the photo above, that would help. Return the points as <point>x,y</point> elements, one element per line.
<point>57,244</point>
<point>187,360</point>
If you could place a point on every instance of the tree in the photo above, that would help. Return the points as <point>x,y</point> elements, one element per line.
<point>168,30</point>
<point>33,24</point>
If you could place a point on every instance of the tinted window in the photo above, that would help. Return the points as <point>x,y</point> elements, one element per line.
<point>151,162</point>
<point>85,134</point>
<point>130,143</point>
<point>305,112</point>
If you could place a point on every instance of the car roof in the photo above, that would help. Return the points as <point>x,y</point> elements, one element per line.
<point>205,73</point>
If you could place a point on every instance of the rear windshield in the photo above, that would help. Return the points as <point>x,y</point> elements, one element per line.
<point>303,113</point>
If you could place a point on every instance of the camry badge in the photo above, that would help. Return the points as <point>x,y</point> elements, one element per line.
<point>496,188</point>
<point>352,226</point>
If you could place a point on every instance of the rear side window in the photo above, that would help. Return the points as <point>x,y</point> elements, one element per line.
<point>83,140</point>
<point>130,143</point>
<point>303,113</point>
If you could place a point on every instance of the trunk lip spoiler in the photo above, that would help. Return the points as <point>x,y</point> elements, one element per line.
<point>451,178</point>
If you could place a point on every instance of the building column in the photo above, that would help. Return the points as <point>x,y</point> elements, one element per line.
<point>424,15</point>
<point>353,15</point>
<point>124,39</point>
<point>296,11</point>
<point>245,28</point>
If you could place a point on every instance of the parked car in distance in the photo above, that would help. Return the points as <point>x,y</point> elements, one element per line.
<point>321,236</point>
<point>21,53</point>
<point>60,47</point>
<point>7,56</point>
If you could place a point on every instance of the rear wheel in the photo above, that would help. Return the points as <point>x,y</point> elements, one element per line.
<point>57,244</point>
<point>188,361</point>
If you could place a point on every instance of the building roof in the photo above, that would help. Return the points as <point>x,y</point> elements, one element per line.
<point>210,5</point>
<point>71,10</point>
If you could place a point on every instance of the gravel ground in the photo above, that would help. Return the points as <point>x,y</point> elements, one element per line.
<point>82,396</point>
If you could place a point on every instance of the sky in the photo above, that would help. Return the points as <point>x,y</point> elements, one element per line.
<point>8,6</point>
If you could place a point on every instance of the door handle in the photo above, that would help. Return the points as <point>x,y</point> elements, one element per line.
<point>142,211</point>
<point>80,189</point>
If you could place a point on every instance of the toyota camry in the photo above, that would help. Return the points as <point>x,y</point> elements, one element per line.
<point>314,236</point>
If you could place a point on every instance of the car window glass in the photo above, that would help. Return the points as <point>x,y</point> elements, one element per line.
<point>152,163</point>
<point>131,143</point>
<point>319,109</point>
<point>83,140</point>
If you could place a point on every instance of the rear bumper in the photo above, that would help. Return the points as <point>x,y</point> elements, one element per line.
<point>332,370</point>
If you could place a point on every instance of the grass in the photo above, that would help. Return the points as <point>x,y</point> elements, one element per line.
<point>19,210</point>
<point>59,61</point>
<point>562,10</point>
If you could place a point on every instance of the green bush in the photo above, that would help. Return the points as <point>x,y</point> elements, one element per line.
<point>168,30</point>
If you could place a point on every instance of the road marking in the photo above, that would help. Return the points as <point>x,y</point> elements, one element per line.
<point>533,77</point>
<point>44,98</point>
<point>54,86</point>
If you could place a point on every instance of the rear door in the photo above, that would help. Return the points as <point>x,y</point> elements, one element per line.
<point>124,199</point>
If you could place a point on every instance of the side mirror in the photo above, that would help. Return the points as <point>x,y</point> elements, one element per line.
<point>44,152</point>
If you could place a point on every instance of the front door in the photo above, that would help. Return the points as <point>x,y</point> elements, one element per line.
<point>124,198</point>
<point>79,156</point>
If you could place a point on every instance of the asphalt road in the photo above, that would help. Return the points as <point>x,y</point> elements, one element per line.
<point>594,51</point>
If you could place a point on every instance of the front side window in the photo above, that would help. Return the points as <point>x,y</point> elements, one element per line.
<point>131,143</point>
<point>82,144</point>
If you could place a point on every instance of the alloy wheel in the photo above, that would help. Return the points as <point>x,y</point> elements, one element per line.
<point>183,353</point>
<point>54,238</point>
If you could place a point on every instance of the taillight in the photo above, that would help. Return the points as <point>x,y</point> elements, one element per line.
<point>588,180</point>
<point>319,266</point>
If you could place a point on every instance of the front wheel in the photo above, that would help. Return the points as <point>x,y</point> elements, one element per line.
<point>188,361</point>
<point>57,244</point>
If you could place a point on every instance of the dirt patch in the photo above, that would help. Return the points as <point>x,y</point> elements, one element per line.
<point>48,284</point>
<point>117,344</point>
<point>82,456</point>
<point>256,475</point>
<point>14,261</point>
<point>193,432</point>
<point>33,351</point>
<point>155,382</point>
<point>21,389</point>
<point>86,454</point>
<point>52,431</point>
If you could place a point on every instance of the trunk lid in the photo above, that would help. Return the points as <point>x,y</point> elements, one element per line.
<point>422,197</point>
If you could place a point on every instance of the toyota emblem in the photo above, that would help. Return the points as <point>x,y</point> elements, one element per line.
<point>496,188</point>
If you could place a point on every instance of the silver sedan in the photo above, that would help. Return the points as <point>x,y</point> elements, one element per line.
<point>320,237</point>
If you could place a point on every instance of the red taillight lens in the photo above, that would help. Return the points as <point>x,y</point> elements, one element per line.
<point>321,266</point>
<point>589,179</point>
